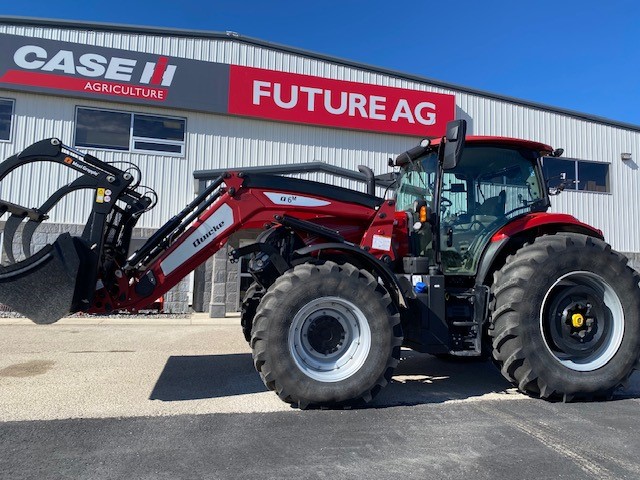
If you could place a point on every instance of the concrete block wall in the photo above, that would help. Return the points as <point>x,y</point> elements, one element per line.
<point>176,300</point>
<point>218,298</point>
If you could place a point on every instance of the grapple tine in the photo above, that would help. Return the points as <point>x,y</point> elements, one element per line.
<point>10,229</point>
<point>27,234</point>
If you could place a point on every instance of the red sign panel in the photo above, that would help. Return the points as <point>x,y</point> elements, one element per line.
<point>312,100</point>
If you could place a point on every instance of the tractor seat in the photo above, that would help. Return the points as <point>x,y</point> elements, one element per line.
<point>489,211</point>
<point>493,206</point>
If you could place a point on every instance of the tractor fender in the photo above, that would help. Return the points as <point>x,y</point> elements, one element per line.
<point>388,278</point>
<point>522,230</point>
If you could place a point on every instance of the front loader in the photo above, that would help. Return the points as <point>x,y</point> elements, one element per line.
<point>464,260</point>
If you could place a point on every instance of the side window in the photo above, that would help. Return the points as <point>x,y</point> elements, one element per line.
<point>593,177</point>
<point>414,185</point>
<point>557,171</point>
<point>6,118</point>
<point>102,129</point>
<point>577,175</point>
<point>135,132</point>
<point>158,134</point>
<point>506,190</point>
<point>454,193</point>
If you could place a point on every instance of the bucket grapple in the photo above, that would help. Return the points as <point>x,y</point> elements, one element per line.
<point>60,278</point>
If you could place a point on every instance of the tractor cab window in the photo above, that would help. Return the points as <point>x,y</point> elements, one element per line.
<point>417,182</point>
<point>490,186</point>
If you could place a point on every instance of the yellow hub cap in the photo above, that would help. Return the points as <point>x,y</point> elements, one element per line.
<point>577,320</point>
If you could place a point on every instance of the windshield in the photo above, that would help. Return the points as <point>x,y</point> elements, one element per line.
<point>417,182</point>
<point>490,186</point>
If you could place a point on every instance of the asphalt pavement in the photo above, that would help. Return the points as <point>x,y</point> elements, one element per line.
<point>179,398</point>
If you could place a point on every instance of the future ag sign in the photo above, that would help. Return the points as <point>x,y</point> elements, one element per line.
<point>78,70</point>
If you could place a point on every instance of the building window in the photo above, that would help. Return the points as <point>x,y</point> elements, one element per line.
<point>6,119</point>
<point>593,177</point>
<point>135,132</point>
<point>158,134</point>
<point>577,174</point>
<point>103,129</point>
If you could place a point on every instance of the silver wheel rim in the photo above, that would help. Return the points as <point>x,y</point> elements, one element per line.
<point>329,339</point>
<point>578,290</point>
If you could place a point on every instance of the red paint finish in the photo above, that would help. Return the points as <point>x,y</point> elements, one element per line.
<point>534,220</point>
<point>379,235</point>
<point>158,72</point>
<point>503,141</point>
<point>251,209</point>
<point>290,97</point>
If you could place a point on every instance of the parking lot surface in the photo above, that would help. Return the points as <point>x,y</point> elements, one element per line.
<point>179,398</point>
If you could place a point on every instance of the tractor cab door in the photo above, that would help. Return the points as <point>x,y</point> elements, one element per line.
<point>416,186</point>
<point>491,185</point>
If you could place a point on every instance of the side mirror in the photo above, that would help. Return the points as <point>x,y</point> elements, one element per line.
<point>454,143</point>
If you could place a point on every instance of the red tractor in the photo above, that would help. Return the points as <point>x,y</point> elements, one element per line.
<point>463,261</point>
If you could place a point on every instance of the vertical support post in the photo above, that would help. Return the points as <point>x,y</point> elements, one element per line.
<point>218,304</point>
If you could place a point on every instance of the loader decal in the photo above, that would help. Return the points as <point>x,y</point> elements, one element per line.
<point>217,223</point>
<point>279,198</point>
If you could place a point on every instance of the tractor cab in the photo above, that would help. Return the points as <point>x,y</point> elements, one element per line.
<point>493,181</point>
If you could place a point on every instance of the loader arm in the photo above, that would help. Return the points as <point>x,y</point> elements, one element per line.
<point>233,202</point>
<point>91,272</point>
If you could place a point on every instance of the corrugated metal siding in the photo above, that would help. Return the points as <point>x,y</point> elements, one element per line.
<point>215,141</point>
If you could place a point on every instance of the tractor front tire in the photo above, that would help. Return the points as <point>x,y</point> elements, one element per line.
<point>249,306</point>
<point>326,335</point>
<point>566,318</point>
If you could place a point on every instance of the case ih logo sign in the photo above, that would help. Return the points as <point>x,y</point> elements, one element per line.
<point>101,74</point>
<point>78,70</point>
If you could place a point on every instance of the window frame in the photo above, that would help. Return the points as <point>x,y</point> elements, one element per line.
<point>132,139</point>
<point>577,181</point>
<point>11,122</point>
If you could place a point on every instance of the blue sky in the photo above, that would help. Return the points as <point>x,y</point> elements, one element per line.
<point>580,55</point>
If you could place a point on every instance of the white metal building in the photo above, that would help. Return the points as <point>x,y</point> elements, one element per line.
<point>176,101</point>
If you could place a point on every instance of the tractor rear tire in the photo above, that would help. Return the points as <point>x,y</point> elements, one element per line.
<point>249,306</point>
<point>566,318</point>
<point>326,335</point>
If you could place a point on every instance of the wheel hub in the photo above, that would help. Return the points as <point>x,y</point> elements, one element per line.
<point>582,321</point>
<point>325,334</point>
<point>329,339</point>
<point>579,321</point>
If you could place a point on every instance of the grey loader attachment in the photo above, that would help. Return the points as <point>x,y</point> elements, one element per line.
<point>42,287</point>
<point>61,278</point>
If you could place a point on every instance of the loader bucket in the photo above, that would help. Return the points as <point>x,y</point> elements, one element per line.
<point>42,287</point>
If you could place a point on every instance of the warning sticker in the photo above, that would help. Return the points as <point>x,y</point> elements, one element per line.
<point>100,195</point>
<point>381,242</point>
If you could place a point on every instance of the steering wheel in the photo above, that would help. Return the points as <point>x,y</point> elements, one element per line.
<point>445,202</point>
